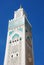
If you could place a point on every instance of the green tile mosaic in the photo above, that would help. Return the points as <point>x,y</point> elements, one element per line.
<point>20,29</point>
<point>11,32</point>
<point>15,24</point>
<point>15,35</point>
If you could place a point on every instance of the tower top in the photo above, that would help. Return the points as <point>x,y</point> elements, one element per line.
<point>20,6</point>
<point>19,13</point>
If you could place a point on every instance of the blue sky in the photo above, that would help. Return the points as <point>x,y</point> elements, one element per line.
<point>35,14</point>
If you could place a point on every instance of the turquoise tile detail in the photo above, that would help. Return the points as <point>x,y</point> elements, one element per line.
<point>15,35</point>
<point>20,29</point>
<point>15,24</point>
<point>11,32</point>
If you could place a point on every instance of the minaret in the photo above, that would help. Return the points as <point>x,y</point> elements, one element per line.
<point>19,40</point>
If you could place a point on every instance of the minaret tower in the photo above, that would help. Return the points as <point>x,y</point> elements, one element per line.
<point>19,40</point>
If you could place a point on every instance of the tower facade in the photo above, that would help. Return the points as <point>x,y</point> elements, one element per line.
<point>19,40</point>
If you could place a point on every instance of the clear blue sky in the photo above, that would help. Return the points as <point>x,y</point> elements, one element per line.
<point>35,13</point>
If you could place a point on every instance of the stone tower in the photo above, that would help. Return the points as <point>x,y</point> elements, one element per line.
<point>19,40</point>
